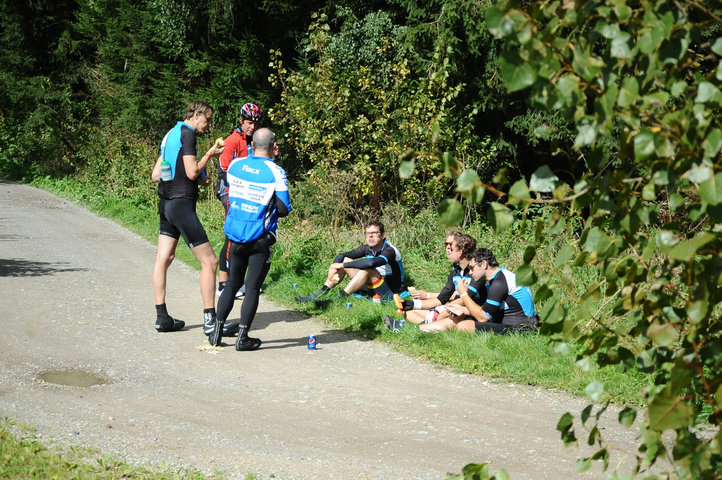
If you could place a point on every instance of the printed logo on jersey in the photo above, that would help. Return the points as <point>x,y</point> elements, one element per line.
<point>248,169</point>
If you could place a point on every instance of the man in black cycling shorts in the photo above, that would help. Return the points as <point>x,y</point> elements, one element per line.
<point>508,307</point>
<point>177,208</point>
<point>257,197</point>
<point>373,268</point>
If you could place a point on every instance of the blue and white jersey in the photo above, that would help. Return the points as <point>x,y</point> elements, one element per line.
<point>254,184</point>
<point>506,302</point>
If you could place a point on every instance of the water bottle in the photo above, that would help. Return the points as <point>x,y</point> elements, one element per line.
<point>250,149</point>
<point>165,173</point>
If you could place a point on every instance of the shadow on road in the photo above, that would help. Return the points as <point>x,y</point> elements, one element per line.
<point>27,268</point>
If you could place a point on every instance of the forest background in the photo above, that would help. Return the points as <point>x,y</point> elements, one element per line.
<point>578,139</point>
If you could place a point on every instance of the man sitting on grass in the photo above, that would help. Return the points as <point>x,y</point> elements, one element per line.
<point>433,307</point>
<point>508,307</point>
<point>373,268</point>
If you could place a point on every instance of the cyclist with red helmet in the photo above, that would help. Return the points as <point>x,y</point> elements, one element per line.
<point>237,145</point>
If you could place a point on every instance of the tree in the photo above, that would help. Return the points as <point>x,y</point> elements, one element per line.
<point>641,80</point>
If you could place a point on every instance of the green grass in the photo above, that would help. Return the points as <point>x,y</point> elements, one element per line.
<point>22,456</point>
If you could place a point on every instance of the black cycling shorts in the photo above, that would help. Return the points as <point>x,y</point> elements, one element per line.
<point>178,217</point>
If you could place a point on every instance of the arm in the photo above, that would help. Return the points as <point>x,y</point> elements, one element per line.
<point>155,176</point>
<point>194,168</point>
<point>474,309</point>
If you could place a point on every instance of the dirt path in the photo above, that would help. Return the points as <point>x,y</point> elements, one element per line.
<point>75,293</point>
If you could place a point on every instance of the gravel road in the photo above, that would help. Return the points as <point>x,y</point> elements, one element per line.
<point>75,294</point>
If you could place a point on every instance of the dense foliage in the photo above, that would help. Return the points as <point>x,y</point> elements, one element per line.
<point>642,82</point>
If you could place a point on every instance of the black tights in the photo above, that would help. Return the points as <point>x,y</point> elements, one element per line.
<point>251,260</point>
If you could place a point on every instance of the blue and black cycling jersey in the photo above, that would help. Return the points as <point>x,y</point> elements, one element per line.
<point>386,261</point>
<point>506,302</point>
<point>476,287</point>
<point>178,142</point>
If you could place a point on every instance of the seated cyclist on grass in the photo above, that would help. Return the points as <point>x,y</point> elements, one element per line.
<point>508,307</point>
<point>433,307</point>
<point>373,268</point>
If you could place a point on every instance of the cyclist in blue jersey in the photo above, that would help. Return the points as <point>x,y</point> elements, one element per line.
<point>177,209</point>
<point>372,268</point>
<point>508,306</point>
<point>257,197</point>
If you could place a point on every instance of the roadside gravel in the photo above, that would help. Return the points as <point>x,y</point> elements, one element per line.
<point>75,294</point>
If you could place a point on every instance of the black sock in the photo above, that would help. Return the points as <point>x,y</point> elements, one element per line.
<point>221,285</point>
<point>323,290</point>
<point>161,311</point>
<point>342,294</point>
<point>209,310</point>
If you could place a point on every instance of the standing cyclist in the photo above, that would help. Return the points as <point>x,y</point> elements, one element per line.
<point>237,145</point>
<point>257,196</point>
<point>177,209</point>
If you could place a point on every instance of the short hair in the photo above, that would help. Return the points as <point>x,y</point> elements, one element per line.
<point>466,243</point>
<point>197,106</point>
<point>263,139</point>
<point>481,254</point>
<point>375,223</point>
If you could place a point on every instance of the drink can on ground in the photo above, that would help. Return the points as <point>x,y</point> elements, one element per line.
<point>312,342</point>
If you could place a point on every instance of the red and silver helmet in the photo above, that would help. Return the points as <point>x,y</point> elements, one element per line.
<point>251,111</point>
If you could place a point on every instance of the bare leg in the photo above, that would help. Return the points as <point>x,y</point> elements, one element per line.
<point>163,259</point>
<point>209,265</point>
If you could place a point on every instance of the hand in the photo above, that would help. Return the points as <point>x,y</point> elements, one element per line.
<point>420,295</point>
<point>462,287</point>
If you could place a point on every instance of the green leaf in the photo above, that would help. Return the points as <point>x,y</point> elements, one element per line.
<point>627,416</point>
<point>684,251</point>
<point>669,411</point>
<point>406,170</point>
<point>518,74</point>
<point>563,256</point>
<point>543,180</point>
<point>467,180</point>
<point>597,241</point>
<point>451,166</point>
<point>620,47</point>
<point>628,93</point>
<point>699,173</point>
<point>643,144</point>
<point>594,390</point>
<point>529,254</point>
<point>519,192</point>
<point>711,190</point>
<point>501,475</point>
<point>586,134</point>
<point>666,240</point>
<point>500,217</point>
<point>451,212</point>
<point>712,143</point>
<point>525,275</point>
<point>665,335</point>
<point>706,92</point>
<point>717,46</point>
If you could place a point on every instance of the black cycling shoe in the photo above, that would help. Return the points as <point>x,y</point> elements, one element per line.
<point>209,321</point>
<point>248,344</point>
<point>230,329</point>
<point>169,324</point>
<point>214,338</point>
<point>306,299</point>
<point>391,324</point>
